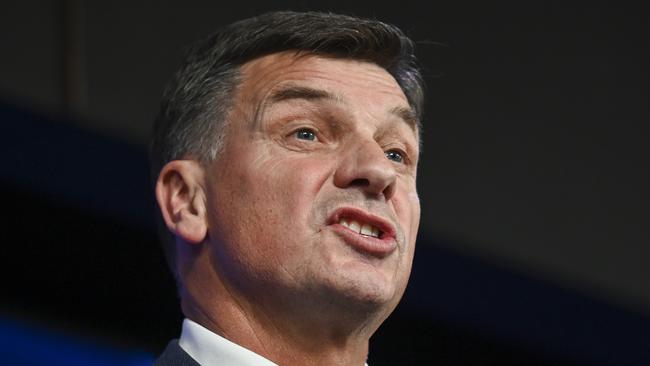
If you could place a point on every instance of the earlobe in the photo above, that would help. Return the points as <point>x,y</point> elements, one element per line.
<point>181,199</point>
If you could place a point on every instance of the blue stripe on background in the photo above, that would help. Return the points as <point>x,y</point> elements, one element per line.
<point>26,345</point>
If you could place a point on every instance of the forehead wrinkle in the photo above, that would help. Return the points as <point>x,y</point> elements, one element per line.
<point>288,90</point>
<point>293,91</point>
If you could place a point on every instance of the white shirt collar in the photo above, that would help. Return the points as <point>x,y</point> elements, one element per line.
<point>210,349</point>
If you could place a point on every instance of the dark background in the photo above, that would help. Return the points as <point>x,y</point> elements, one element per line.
<point>534,181</point>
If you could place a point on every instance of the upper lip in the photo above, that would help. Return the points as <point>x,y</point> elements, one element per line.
<point>362,216</point>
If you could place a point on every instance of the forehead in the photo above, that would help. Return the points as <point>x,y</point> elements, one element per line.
<point>345,80</point>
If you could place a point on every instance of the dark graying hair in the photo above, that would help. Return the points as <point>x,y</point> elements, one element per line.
<point>192,116</point>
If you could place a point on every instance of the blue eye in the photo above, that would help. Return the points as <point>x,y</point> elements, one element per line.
<point>395,156</point>
<point>306,134</point>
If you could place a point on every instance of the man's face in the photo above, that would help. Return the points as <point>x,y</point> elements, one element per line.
<point>312,200</point>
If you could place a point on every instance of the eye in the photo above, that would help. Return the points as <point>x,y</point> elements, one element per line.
<point>395,156</point>
<point>305,134</point>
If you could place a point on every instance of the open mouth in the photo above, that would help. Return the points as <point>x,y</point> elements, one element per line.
<point>361,227</point>
<point>364,231</point>
<point>363,222</point>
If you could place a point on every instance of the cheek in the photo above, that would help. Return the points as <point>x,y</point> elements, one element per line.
<point>407,206</point>
<point>280,192</point>
<point>294,180</point>
<point>285,190</point>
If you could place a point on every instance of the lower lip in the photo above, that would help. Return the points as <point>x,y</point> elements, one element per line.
<point>377,247</point>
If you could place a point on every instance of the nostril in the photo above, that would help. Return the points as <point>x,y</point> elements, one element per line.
<point>373,189</point>
<point>389,191</point>
<point>360,182</point>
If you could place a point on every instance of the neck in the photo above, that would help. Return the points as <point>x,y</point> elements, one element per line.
<point>277,339</point>
<point>286,335</point>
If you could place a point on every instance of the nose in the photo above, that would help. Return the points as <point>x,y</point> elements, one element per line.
<point>364,165</point>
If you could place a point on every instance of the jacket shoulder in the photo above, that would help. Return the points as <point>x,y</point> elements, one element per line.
<point>174,355</point>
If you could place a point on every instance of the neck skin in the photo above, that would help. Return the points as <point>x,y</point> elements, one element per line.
<point>292,333</point>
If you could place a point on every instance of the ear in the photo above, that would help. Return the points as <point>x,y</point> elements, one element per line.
<point>181,198</point>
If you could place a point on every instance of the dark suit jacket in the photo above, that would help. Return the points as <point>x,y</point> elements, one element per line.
<point>174,355</point>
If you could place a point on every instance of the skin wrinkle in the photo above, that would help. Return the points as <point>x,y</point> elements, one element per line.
<point>409,117</point>
<point>323,106</point>
<point>244,311</point>
<point>258,162</point>
<point>268,320</point>
<point>297,91</point>
<point>267,183</point>
<point>249,322</point>
<point>357,199</point>
<point>290,91</point>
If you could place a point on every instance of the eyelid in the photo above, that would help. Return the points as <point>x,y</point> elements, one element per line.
<point>405,157</point>
<point>292,128</point>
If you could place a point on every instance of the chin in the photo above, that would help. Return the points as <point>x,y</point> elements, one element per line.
<point>366,292</point>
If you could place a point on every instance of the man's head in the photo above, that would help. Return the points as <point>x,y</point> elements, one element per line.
<point>287,149</point>
<point>196,102</point>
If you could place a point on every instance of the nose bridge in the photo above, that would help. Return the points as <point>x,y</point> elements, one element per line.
<point>368,151</point>
<point>365,165</point>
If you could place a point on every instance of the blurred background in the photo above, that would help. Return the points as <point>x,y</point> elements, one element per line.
<point>534,181</point>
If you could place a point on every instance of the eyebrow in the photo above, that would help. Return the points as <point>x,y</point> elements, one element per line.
<point>299,92</point>
<point>408,115</point>
<point>290,92</point>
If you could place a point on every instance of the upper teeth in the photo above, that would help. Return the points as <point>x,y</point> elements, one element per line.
<point>363,229</point>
